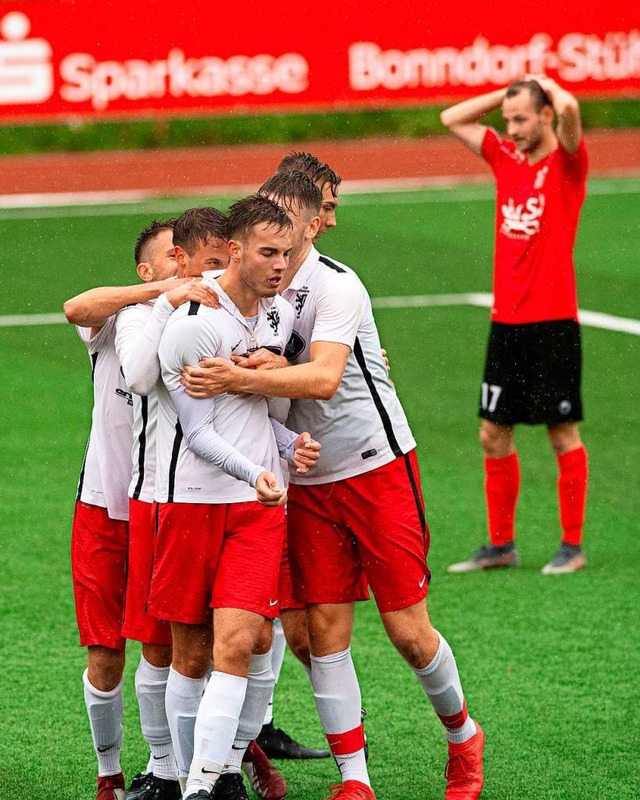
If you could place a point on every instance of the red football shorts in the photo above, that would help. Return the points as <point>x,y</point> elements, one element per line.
<point>138,624</point>
<point>216,556</point>
<point>373,525</point>
<point>99,571</point>
<point>286,597</point>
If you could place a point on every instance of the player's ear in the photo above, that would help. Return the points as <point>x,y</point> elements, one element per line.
<point>235,249</point>
<point>313,227</point>
<point>145,271</point>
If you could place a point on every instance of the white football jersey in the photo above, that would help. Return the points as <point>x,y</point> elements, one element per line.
<point>106,471</point>
<point>139,329</point>
<point>363,426</point>
<point>235,426</point>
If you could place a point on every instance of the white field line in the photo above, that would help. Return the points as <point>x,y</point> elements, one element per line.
<point>593,319</point>
<point>415,191</point>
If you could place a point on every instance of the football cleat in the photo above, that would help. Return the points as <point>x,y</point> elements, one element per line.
<point>569,558</point>
<point>489,556</point>
<point>464,768</point>
<point>277,744</point>
<point>201,794</point>
<point>363,716</point>
<point>264,778</point>
<point>110,787</point>
<point>229,786</point>
<point>139,783</point>
<point>351,790</point>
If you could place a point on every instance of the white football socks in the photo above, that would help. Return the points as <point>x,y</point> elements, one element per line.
<point>215,729</point>
<point>105,718</point>
<point>151,683</point>
<point>441,683</point>
<point>182,700</point>
<point>259,689</point>
<point>278,648</point>
<point>337,694</point>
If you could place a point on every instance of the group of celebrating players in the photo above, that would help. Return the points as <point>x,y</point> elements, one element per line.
<point>244,375</point>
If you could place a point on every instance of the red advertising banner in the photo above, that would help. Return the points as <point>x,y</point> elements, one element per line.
<point>70,59</point>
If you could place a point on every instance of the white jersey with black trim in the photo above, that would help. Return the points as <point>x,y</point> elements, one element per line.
<point>211,451</point>
<point>106,470</point>
<point>139,329</point>
<point>363,426</point>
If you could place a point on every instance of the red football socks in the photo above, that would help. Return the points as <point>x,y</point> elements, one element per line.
<point>501,486</point>
<point>573,478</point>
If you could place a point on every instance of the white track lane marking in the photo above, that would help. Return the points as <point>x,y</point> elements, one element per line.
<point>408,191</point>
<point>593,319</point>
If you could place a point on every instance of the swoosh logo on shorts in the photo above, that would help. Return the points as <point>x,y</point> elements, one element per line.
<point>273,603</point>
<point>421,584</point>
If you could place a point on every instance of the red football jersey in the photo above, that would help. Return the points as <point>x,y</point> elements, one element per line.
<point>537,211</point>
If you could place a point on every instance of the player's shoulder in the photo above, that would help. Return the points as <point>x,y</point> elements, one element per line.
<point>283,307</point>
<point>333,267</point>
<point>104,334</point>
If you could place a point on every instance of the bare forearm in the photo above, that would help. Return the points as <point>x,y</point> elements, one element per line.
<point>472,110</point>
<point>94,307</point>
<point>303,381</point>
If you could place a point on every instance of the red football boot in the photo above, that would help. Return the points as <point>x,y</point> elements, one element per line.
<point>464,768</point>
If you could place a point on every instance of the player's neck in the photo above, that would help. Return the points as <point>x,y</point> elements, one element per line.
<point>547,145</point>
<point>243,298</point>
<point>296,260</point>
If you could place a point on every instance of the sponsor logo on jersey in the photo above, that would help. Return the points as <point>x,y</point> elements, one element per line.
<point>522,220</point>
<point>295,346</point>
<point>126,395</point>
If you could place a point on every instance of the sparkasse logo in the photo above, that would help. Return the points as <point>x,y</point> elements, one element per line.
<point>27,73</point>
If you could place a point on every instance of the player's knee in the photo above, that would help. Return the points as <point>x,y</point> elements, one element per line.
<point>104,667</point>
<point>496,441</point>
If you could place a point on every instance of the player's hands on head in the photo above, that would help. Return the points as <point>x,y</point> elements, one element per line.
<point>193,290</point>
<point>213,376</point>
<point>268,491</point>
<point>260,359</point>
<point>306,452</point>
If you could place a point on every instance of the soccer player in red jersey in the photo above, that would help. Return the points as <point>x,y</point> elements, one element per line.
<point>533,367</point>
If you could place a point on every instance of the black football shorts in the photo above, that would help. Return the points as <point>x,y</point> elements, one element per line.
<point>532,374</point>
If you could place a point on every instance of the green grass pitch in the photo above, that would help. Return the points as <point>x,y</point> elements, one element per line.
<point>549,664</point>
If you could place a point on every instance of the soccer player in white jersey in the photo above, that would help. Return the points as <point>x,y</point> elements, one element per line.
<point>200,240</point>
<point>216,546</point>
<point>99,531</point>
<point>138,331</point>
<point>361,510</point>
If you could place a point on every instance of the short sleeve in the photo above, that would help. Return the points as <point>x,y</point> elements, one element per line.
<point>340,307</point>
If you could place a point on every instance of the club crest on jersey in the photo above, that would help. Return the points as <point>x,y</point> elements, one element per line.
<point>522,221</point>
<point>301,299</point>
<point>273,316</point>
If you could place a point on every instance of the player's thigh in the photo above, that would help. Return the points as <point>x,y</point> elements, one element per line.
<point>99,564</point>
<point>188,544</point>
<point>385,510</point>
<point>248,567</point>
<point>324,560</point>
<point>138,623</point>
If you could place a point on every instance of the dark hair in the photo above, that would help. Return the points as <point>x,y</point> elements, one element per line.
<point>291,189</point>
<point>538,95</point>
<point>244,214</point>
<point>197,226</point>
<point>319,172</point>
<point>149,233</point>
